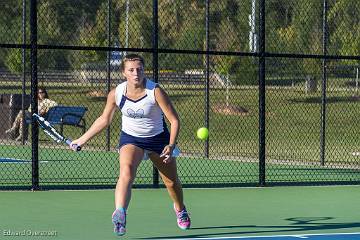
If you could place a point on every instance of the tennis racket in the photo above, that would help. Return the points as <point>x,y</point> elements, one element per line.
<point>51,131</point>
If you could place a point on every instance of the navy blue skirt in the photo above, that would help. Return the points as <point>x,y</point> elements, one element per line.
<point>151,144</point>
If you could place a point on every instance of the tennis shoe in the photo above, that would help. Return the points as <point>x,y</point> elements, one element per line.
<point>119,221</point>
<point>183,218</point>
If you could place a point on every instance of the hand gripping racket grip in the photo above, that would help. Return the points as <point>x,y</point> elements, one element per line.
<point>73,146</point>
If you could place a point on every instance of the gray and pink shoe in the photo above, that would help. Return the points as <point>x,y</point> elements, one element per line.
<point>183,218</point>
<point>119,221</point>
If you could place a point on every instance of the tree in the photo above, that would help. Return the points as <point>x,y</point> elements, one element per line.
<point>344,22</point>
<point>11,32</point>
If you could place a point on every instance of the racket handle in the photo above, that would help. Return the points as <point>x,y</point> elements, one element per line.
<point>73,146</point>
<point>76,147</point>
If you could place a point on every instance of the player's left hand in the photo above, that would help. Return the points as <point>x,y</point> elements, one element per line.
<point>75,144</point>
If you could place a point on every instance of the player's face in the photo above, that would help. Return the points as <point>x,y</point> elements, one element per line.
<point>134,72</point>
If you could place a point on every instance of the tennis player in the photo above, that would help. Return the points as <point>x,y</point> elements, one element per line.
<point>143,104</point>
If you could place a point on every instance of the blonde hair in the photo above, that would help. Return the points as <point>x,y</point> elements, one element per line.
<point>131,57</point>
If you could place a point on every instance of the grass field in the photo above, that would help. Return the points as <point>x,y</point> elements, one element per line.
<point>64,167</point>
<point>293,121</point>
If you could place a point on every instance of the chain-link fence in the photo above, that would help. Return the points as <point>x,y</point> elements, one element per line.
<point>276,82</point>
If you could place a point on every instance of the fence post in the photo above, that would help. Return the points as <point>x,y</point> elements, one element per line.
<point>262,93</point>
<point>24,70</point>
<point>155,69</point>
<point>108,67</point>
<point>207,74</point>
<point>323,86</point>
<point>34,89</point>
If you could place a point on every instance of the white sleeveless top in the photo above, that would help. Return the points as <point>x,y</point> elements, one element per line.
<point>143,117</point>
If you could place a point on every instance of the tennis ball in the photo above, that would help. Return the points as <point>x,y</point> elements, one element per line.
<point>202,133</point>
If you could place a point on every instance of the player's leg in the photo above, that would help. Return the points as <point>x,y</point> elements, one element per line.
<point>168,173</point>
<point>130,157</point>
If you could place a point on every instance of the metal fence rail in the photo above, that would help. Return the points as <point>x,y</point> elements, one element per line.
<point>276,82</point>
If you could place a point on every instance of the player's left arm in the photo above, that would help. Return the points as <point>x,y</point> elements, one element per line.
<point>170,113</point>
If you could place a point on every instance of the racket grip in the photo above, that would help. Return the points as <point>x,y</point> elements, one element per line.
<point>73,146</point>
<point>76,147</point>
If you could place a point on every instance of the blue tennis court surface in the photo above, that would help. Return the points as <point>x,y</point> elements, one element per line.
<point>330,236</point>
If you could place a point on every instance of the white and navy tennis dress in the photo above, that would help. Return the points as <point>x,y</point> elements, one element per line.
<point>143,123</point>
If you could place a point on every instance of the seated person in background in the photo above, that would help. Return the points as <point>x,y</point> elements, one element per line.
<point>44,104</point>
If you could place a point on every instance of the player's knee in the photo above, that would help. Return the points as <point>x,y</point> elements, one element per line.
<point>127,172</point>
<point>171,183</point>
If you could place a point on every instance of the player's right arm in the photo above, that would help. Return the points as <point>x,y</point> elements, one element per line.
<point>101,122</point>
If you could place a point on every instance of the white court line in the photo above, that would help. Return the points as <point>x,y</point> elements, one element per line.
<point>278,236</point>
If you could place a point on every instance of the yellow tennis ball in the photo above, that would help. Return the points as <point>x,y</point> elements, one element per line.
<point>202,133</point>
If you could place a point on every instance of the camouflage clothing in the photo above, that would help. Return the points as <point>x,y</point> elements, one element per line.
<point>43,108</point>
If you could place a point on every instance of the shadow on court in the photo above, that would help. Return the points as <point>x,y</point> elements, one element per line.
<point>317,100</point>
<point>296,225</point>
